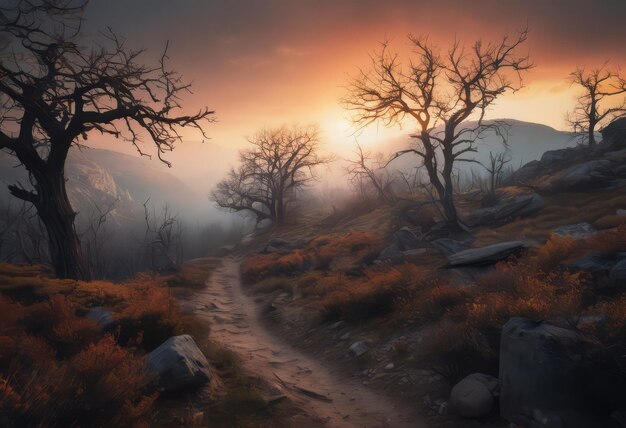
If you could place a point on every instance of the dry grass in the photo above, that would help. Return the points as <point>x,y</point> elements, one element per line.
<point>597,208</point>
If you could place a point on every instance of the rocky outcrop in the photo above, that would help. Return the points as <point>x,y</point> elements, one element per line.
<point>507,210</point>
<point>614,134</point>
<point>586,175</point>
<point>547,378</point>
<point>485,255</point>
<point>179,364</point>
<point>474,396</point>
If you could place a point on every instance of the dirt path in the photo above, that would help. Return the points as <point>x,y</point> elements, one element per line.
<point>339,400</point>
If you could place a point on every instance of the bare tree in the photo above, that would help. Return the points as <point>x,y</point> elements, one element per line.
<point>367,170</point>
<point>439,93</point>
<point>163,238</point>
<point>495,169</point>
<point>53,92</point>
<point>280,162</point>
<point>600,103</point>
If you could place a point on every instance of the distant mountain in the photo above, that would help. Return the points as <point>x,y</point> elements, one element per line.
<point>527,141</point>
<point>97,177</point>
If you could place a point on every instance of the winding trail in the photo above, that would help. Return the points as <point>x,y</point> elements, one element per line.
<point>336,399</point>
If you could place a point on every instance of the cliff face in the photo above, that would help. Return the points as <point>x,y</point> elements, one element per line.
<point>97,179</point>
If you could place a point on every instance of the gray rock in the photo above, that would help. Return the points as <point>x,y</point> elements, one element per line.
<point>618,272</point>
<point>485,255</point>
<point>584,175</point>
<point>514,207</point>
<point>405,239</point>
<point>593,262</point>
<point>620,212</point>
<point>447,246</point>
<point>546,378</point>
<point>179,364</point>
<point>580,230</point>
<point>473,397</point>
<point>103,317</point>
<point>560,155</point>
<point>391,253</point>
<point>614,133</point>
<point>358,348</point>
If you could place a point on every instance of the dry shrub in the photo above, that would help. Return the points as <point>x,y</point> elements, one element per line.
<point>275,283</point>
<point>363,298</point>
<point>554,252</point>
<point>615,312</point>
<point>109,374</point>
<point>357,246</point>
<point>149,315</point>
<point>431,299</point>
<point>517,289</point>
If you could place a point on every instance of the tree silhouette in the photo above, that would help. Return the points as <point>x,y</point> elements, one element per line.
<point>54,92</point>
<point>601,86</point>
<point>280,162</point>
<point>439,93</point>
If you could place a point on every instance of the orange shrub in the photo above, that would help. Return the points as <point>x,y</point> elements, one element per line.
<point>554,252</point>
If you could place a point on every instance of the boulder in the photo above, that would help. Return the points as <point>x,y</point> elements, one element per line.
<point>561,154</point>
<point>447,246</point>
<point>580,230</point>
<point>358,348</point>
<point>473,397</point>
<point>547,378</point>
<point>179,364</point>
<point>405,239</point>
<point>485,255</point>
<point>582,176</point>
<point>510,208</point>
<point>614,133</point>
<point>103,317</point>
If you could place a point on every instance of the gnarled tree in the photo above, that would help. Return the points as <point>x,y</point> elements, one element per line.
<point>279,162</point>
<point>600,102</point>
<point>53,92</point>
<point>439,93</point>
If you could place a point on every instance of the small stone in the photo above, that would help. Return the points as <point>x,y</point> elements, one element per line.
<point>345,336</point>
<point>358,348</point>
<point>389,366</point>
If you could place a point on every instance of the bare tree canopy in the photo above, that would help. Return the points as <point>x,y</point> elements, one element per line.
<point>53,92</point>
<point>368,171</point>
<point>279,162</point>
<point>600,102</point>
<point>439,92</point>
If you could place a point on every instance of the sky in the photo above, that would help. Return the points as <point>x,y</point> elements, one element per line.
<point>273,62</point>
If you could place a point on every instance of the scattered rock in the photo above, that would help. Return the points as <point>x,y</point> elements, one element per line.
<point>358,348</point>
<point>103,317</point>
<point>591,322</point>
<point>447,246</point>
<point>405,239</point>
<point>179,364</point>
<point>485,255</point>
<point>390,366</point>
<point>548,378</point>
<point>561,154</point>
<point>473,397</point>
<point>580,230</point>
<point>345,336</point>
<point>620,212</point>
<point>510,208</point>
<point>337,325</point>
